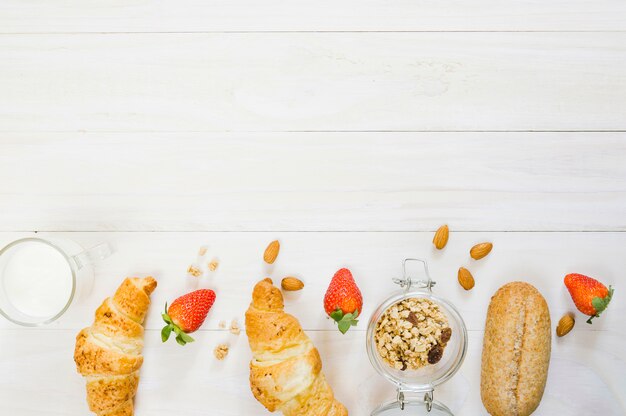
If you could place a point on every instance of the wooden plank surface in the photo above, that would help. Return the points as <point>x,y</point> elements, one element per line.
<point>313,181</point>
<point>586,376</point>
<point>36,16</point>
<point>542,259</point>
<point>313,81</point>
<point>349,131</point>
<point>586,370</point>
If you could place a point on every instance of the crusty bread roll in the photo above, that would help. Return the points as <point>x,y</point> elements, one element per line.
<point>286,369</point>
<point>516,351</point>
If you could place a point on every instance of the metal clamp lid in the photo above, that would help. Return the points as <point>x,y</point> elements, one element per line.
<point>428,399</point>
<point>409,402</point>
<point>407,282</point>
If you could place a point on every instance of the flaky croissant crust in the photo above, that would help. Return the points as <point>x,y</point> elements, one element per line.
<point>285,372</point>
<point>108,353</point>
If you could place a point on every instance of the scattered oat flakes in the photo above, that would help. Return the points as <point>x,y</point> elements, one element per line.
<point>194,270</point>
<point>234,327</point>
<point>222,325</point>
<point>202,251</point>
<point>221,351</point>
<point>213,265</point>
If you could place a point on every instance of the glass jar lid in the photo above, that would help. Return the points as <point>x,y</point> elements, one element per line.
<point>415,383</point>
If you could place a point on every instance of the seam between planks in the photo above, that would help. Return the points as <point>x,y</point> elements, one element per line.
<point>84,131</point>
<point>311,231</point>
<point>193,32</point>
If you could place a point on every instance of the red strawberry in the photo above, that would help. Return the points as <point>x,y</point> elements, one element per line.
<point>343,301</point>
<point>186,314</point>
<point>590,296</point>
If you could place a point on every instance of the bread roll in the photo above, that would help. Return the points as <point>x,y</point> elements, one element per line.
<point>516,351</point>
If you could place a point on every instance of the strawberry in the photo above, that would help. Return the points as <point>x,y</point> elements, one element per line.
<point>590,296</point>
<point>343,301</point>
<point>186,314</point>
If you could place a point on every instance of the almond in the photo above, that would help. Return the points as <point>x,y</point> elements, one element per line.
<point>291,284</point>
<point>441,237</point>
<point>466,280</point>
<point>566,323</point>
<point>480,250</point>
<point>271,252</point>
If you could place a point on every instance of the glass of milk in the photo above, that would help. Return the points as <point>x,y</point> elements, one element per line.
<point>40,278</point>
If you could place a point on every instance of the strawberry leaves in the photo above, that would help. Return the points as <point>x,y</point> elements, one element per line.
<point>600,304</point>
<point>344,321</point>
<point>181,337</point>
<point>165,332</point>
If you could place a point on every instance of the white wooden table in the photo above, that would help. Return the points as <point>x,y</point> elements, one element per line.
<point>347,130</point>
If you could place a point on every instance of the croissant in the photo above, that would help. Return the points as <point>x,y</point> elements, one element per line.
<point>285,372</point>
<point>108,353</point>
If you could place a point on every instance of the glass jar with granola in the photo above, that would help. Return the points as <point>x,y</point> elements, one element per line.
<point>416,340</point>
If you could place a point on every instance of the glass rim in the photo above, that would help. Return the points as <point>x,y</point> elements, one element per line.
<point>67,258</point>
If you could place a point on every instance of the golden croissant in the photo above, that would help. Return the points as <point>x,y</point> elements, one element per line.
<point>285,372</point>
<point>108,353</point>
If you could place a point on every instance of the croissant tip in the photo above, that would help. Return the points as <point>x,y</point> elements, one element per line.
<point>150,284</point>
<point>267,296</point>
<point>147,284</point>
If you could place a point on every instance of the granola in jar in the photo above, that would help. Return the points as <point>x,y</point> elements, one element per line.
<point>412,333</point>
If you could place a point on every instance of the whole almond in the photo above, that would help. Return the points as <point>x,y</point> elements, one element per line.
<point>441,237</point>
<point>291,284</point>
<point>480,250</point>
<point>466,280</point>
<point>566,323</point>
<point>271,252</point>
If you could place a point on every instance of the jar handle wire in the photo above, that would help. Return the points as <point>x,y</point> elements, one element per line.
<point>407,282</point>
<point>428,399</point>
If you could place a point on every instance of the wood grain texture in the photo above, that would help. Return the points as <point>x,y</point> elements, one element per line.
<point>322,15</point>
<point>146,122</point>
<point>313,181</point>
<point>313,81</point>
<point>542,259</point>
<point>586,376</point>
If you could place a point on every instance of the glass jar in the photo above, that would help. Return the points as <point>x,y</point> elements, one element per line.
<point>415,388</point>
